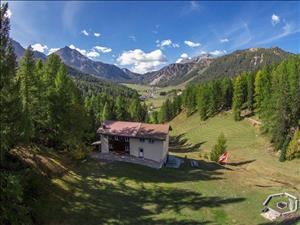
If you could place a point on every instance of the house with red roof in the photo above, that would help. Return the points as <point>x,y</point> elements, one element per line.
<point>142,140</point>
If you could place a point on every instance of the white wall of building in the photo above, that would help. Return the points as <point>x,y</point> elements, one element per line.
<point>156,151</point>
<point>104,144</point>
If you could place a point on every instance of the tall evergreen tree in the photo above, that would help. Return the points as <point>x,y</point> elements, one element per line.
<point>10,103</point>
<point>120,108</point>
<point>106,113</point>
<point>28,92</point>
<point>250,92</point>
<point>237,98</point>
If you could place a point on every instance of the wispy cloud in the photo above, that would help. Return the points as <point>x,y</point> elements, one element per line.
<point>102,49</point>
<point>132,37</point>
<point>166,43</point>
<point>224,40</point>
<point>69,15</point>
<point>192,44</point>
<point>218,52</point>
<point>287,29</point>
<point>84,32</point>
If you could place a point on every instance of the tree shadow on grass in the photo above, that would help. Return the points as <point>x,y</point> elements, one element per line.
<point>103,198</point>
<point>241,163</point>
<point>179,144</point>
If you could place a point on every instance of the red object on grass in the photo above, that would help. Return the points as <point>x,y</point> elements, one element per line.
<point>223,158</point>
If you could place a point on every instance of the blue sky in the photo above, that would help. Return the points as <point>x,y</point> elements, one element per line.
<point>144,36</point>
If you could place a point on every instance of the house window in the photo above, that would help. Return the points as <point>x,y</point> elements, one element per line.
<point>141,152</point>
<point>151,141</point>
<point>116,138</point>
<point>126,139</point>
<point>142,139</point>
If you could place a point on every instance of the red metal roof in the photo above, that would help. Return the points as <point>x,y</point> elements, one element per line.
<point>134,129</point>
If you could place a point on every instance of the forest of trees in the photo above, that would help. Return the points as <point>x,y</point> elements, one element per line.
<point>41,105</point>
<point>273,94</point>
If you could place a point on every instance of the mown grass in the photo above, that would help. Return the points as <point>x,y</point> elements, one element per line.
<point>94,192</point>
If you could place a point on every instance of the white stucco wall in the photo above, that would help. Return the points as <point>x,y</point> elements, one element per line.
<point>156,151</point>
<point>104,144</point>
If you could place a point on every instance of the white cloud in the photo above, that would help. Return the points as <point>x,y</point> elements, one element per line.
<point>224,40</point>
<point>39,47</point>
<point>192,44</point>
<point>8,13</point>
<point>51,50</point>
<point>132,37</point>
<point>97,34</point>
<point>218,52</point>
<point>103,49</point>
<point>275,19</point>
<point>85,32</point>
<point>182,57</point>
<point>166,43</point>
<point>140,61</point>
<point>92,54</point>
<point>82,51</point>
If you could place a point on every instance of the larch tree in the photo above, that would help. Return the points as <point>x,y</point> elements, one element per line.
<point>237,98</point>
<point>10,103</point>
<point>28,92</point>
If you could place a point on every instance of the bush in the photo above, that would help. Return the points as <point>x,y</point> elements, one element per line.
<point>293,150</point>
<point>219,148</point>
<point>282,157</point>
<point>78,153</point>
<point>12,208</point>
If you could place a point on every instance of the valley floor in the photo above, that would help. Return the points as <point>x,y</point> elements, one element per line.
<point>94,192</point>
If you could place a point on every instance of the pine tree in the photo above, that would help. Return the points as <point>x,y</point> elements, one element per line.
<point>237,98</point>
<point>219,148</point>
<point>28,92</point>
<point>10,103</point>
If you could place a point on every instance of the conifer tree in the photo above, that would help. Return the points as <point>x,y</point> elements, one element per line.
<point>219,148</point>
<point>106,113</point>
<point>120,108</point>
<point>28,92</point>
<point>10,103</point>
<point>237,98</point>
<point>250,92</point>
<point>203,102</point>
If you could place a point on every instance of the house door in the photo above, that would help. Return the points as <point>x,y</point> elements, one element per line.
<point>141,153</point>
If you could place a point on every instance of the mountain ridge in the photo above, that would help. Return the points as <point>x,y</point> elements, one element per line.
<point>197,69</point>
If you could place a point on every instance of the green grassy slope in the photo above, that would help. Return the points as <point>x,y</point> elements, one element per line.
<point>118,193</point>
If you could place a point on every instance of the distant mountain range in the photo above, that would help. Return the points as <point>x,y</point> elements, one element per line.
<point>197,69</point>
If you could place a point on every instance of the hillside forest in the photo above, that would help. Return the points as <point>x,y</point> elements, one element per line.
<point>43,107</point>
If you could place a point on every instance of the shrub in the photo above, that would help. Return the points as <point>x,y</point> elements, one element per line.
<point>12,208</point>
<point>219,148</point>
<point>282,157</point>
<point>78,153</point>
<point>293,149</point>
